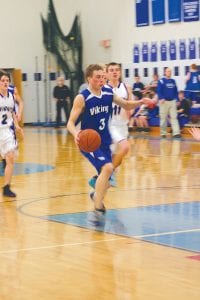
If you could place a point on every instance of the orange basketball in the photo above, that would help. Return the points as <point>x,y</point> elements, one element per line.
<point>151,105</point>
<point>89,140</point>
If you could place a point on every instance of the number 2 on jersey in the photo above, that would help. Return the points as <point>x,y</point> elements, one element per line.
<point>4,119</point>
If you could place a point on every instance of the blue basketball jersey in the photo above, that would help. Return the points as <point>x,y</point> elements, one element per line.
<point>194,81</point>
<point>97,112</point>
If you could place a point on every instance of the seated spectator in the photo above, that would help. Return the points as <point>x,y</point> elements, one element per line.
<point>192,89</point>
<point>183,109</point>
<point>138,88</point>
<point>140,117</point>
<point>153,84</point>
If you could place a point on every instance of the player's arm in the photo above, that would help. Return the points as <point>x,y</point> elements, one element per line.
<point>129,91</point>
<point>129,98</point>
<point>20,103</point>
<point>77,109</point>
<point>128,105</point>
<point>17,127</point>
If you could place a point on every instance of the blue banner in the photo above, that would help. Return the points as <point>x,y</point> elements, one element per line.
<point>174,10</point>
<point>154,51</point>
<point>182,49</point>
<point>191,10</point>
<point>192,49</point>
<point>136,53</point>
<point>145,52</point>
<point>199,47</point>
<point>163,51</point>
<point>172,50</point>
<point>158,11</point>
<point>142,13</point>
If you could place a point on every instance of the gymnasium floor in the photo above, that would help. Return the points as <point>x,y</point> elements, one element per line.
<point>148,246</point>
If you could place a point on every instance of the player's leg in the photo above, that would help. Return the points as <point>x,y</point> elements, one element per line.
<point>58,115</point>
<point>119,136</point>
<point>174,119</point>
<point>8,174</point>
<point>123,148</point>
<point>102,185</point>
<point>163,113</point>
<point>102,161</point>
<point>66,110</point>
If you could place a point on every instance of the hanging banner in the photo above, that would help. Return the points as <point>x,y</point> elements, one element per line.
<point>153,51</point>
<point>199,47</point>
<point>158,11</point>
<point>163,51</point>
<point>192,49</point>
<point>190,10</point>
<point>142,13</point>
<point>136,53</point>
<point>182,49</point>
<point>145,52</point>
<point>174,10</point>
<point>172,50</point>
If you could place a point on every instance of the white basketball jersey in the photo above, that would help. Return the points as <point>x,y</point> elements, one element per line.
<point>119,115</point>
<point>6,110</point>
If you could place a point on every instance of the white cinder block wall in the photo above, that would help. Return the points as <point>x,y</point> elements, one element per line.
<point>22,44</point>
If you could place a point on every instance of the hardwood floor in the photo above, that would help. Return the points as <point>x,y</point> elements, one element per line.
<point>149,246</point>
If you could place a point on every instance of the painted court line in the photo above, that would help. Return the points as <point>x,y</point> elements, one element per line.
<point>95,242</point>
<point>61,245</point>
<point>166,233</point>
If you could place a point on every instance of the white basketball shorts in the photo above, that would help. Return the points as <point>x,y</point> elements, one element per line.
<point>8,142</point>
<point>118,132</point>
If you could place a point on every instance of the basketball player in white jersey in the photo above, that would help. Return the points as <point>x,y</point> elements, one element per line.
<point>8,124</point>
<point>120,117</point>
<point>18,106</point>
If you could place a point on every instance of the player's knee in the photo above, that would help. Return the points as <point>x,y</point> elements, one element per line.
<point>10,159</point>
<point>124,147</point>
<point>108,168</point>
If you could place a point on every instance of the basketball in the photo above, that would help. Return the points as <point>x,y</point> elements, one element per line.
<point>89,140</point>
<point>151,105</point>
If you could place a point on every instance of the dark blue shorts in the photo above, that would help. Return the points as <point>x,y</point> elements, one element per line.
<point>100,157</point>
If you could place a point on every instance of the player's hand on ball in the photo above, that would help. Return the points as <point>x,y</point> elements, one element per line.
<point>77,138</point>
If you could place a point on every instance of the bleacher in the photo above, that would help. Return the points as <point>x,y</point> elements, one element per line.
<point>194,118</point>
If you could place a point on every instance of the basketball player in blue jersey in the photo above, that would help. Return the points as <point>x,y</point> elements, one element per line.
<point>8,124</point>
<point>119,120</point>
<point>192,88</point>
<point>94,105</point>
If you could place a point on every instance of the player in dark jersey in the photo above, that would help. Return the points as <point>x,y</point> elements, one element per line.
<point>94,106</point>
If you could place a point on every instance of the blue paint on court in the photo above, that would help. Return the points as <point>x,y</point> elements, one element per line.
<point>27,168</point>
<point>175,225</point>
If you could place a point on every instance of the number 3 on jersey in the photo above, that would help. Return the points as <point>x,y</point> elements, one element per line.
<point>102,124</point>
<point>4,119</point>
